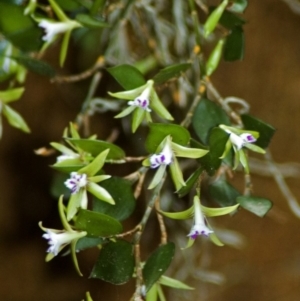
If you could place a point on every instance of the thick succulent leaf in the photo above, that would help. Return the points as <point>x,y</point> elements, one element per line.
<point>97,224</point>
<point>159,131</point>
<point>122,193</point>
<point>258,206</point>
<point>223,193</point>
<point>127,76</point>
<point>207,116</point>
<point>88,242</point>
<point>157,264</point>
<point>217,141</point>
<point>115,263</point>
<point>170,72</point>
<point>95,147</point>
<point>235,45</point>
<point>265,130</point>
<point>34,65</point>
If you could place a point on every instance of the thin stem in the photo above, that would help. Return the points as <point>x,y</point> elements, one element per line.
<point>162,226</point>
<point>195,22</point>
<point>188,118</point>
<point>81,117</point>
<point>210,87</point>
<point>100,63</point>
<point>278,177</point>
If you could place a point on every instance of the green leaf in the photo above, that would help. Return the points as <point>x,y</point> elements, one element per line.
<point>66,167</point>
<point>186,214</point>
<point>167,281</point>
<point>217,141</point>
<point>97,224</point>
<point>21,30</point>
<point>235,45</point>
<point>266,131</point>
<point>88,242</point>
<point>211,212</point>
<point>91,22</point>
<point>92,168</point>
<point>258,206</point>
<point>190,182</point>
<point>100,193</point>
<point>159,131</point>
<point>122,193</point>
<point>115,263</point>
<point>169,72</point>
<point>158,106</point>
<point>238,6</point>
<point>157,264</point>
<point>15,119</point>
<point>223,193</point>
<point>11,95</point>
<point>230,20</point>
<point>127,76</point>
<point>95,147</point>
<point>208,115</point>
<point>35,65</point>
<point>188,152</point>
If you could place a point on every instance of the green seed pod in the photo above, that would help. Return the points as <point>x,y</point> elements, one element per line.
<point>214,18</point>
<point>214,58</point>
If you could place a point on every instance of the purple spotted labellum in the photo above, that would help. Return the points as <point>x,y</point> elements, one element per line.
<point>76,182</point>
<point>142,100</point>
<point>163,158</point>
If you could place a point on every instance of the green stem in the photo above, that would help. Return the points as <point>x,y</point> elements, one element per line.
<point>195,21</point>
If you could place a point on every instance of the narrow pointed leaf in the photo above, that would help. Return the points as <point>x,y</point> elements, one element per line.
<point>176,174</point>
<point>214,238</point>
<point>210,212</point>
<point>74,203</point>
<point>190,182</point>
<point>15,119</point>
<point>171,282</point>
<point>58,11</point>
<point>125,112</point>
<point>186,214</point>
<point>158,107</point>
<point>255,148</point>
<point>157,264</point>
<point>11,95</point>
<point>187,152</point>
<point>115,263</point>
<point>100,193</point>
<point>97,179</point>
<point>158,176</point>
<point>90,22</point>
<point>137,117</point>
<point>95,165</point>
